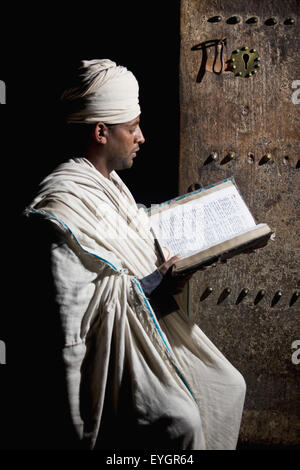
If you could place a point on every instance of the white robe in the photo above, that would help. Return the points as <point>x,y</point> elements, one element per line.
<point>163,380</point>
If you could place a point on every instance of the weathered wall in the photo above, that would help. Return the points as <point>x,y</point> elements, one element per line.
<point>250,117</point>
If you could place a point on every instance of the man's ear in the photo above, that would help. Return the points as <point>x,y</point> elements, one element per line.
<point>100,133</point>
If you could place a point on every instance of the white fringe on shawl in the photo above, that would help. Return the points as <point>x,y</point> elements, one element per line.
<point>111,330</point>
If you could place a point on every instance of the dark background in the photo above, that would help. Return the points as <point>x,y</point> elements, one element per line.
<point>39,47</point>
<point>43,45</point>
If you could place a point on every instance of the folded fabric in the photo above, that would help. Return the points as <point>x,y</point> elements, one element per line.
<point>133,379</point>
<point>103,92</point>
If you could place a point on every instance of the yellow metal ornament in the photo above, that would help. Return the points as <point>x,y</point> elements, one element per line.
<point>245,62</point>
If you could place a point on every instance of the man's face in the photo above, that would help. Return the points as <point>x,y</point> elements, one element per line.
<point>123,142</point>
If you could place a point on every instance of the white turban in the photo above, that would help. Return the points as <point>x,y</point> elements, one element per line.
<point>104,92</point>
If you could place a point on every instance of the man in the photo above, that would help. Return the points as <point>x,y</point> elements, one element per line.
<point>139,374</point>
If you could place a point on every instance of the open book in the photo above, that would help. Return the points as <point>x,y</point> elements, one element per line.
<point>205,226</point>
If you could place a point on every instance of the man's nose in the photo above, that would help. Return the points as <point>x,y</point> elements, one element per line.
<point>140,137</point>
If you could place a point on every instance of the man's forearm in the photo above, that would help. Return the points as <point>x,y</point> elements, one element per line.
<point>151,282</point>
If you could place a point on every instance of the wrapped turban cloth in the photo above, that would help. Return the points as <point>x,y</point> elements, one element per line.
<point>104,92</point>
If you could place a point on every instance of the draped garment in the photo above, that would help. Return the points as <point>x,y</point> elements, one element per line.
<point>148,381</point>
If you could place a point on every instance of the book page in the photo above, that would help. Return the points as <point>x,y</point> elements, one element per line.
<point>202,222</point>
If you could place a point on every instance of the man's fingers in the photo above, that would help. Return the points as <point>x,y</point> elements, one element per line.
<point>171,261</point>
<point>174,259</point>
<point>168,264</point>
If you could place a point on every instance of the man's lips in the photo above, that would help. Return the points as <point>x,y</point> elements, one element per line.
<point>136,150</point>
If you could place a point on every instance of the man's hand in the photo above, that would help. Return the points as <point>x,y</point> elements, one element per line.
<point>164,268</point>
<point>174,284</point>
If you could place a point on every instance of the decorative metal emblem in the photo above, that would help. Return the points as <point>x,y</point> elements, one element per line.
<point>245,62</point>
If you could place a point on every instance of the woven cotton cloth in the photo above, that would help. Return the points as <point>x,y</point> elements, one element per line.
<point>179,386</point>
<point>104,92</point>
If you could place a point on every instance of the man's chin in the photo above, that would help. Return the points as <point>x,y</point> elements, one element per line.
<point>130,161</point>
<point>126,165</point>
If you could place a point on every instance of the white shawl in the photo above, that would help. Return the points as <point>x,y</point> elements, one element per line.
<point>110,327</point>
